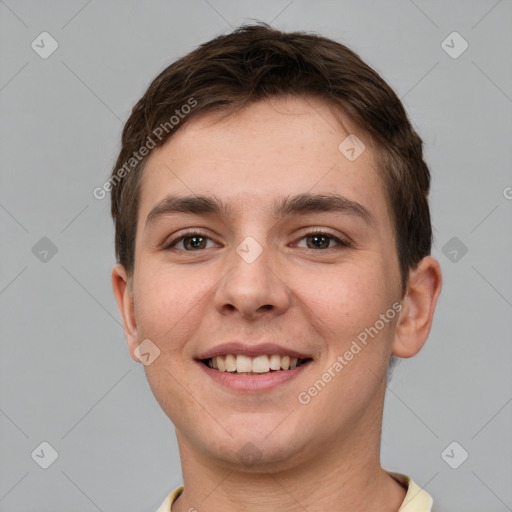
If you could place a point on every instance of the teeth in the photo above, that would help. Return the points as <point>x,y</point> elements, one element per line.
<point>259,364</point>
<point>243,363</point>
<point>275,362</point>
<point>230,363</point>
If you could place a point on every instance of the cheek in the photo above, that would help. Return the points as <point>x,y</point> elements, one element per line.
<point>346,298</point>
<point>168,303</point>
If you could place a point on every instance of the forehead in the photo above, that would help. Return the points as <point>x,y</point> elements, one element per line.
<point>273,148</point>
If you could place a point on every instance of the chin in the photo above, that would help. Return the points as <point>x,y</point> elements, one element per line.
<point>258,452</point>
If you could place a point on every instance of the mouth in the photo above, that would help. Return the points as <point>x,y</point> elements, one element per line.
<point>252,367</point>
<point>241,364</point>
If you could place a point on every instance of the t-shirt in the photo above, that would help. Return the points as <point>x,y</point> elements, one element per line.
<point>416,499</point>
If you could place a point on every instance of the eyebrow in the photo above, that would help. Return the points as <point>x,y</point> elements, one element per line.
<point>300,204</point>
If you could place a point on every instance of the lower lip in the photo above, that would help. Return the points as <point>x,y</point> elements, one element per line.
<point>256,383</point>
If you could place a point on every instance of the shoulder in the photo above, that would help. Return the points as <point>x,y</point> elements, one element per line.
<point>416,499</point>
<point>166,505</point>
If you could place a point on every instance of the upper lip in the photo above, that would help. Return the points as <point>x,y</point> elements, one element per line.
<point>251,350</point>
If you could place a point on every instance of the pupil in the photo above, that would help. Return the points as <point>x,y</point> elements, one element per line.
<point>196,241</point>
<point>316,238</point>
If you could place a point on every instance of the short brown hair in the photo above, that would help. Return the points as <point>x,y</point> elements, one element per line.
<point>256,62</point>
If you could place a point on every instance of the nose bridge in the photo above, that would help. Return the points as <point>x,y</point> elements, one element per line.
<point>251,284</point>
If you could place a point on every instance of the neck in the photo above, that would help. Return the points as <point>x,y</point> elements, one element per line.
<point>344,474</point>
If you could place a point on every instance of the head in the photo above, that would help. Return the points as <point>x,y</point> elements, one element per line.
<point>245,146</point>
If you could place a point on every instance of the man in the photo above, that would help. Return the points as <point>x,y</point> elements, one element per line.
<point>273,240</point>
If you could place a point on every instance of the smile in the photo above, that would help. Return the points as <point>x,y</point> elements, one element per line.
<point>244,365</point>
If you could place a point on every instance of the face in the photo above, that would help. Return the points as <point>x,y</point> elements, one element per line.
<point>289,258</point>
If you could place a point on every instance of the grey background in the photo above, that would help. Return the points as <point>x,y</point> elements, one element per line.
<point>65,373</point>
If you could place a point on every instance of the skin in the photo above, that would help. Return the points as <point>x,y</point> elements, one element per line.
<point>324,455</point>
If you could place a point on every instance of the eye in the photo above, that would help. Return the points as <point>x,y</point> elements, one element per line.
<point>191,241</point>
<point>322,240</point>
<point>195,240</point>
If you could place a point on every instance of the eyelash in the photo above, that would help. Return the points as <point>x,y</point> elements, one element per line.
<point>192,233</point>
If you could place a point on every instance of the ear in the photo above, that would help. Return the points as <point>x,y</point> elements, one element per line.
<point>124,299</point>
<point>415,320</point>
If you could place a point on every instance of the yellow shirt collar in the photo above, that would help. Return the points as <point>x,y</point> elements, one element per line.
<point>416,499</point>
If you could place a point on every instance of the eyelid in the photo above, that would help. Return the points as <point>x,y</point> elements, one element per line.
<point>341,241</point>
<point>190,232</point>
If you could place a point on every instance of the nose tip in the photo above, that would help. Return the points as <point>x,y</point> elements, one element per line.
<point>251,287</point>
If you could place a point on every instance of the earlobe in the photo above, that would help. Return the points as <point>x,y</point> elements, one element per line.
<point>124,299</point>
<point>419,303</point>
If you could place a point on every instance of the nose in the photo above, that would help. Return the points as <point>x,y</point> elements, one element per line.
<point>252,288</point>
